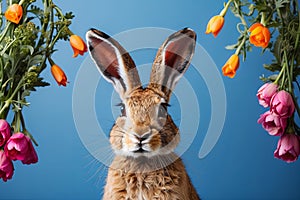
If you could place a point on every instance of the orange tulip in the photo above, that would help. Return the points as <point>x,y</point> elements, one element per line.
<point>215,25</point>
<point>59,75</point>
<point>260,35</point>
<point>78,45</point>
<point>14,13</point>
<point>231,66</point>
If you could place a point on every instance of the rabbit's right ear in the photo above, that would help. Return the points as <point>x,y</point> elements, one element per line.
<point>114,63</point>
<point>172,60</point>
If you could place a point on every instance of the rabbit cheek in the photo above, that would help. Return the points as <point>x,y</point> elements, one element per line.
<point>116,143</point>
<point>128,143</point>
<point>155,142</point>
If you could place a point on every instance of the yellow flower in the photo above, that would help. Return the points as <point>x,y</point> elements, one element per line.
<point>231,66</point>
<point>215,25</point>
<point>14,13</point>
<point>260,35</point>
<point>78,45</point>
<point>59,75</point>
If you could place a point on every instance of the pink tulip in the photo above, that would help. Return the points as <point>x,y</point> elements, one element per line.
<point>288,148</point>
<point>6,167</point>
<point>4,131</point>
<point>282,104</point>
<point>265,94</point>
<point>274,124</point>
<point>19,147</point>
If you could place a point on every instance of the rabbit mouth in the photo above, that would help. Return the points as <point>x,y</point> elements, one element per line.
<point>140,150</point>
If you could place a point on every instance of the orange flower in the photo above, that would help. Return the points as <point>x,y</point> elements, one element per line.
<point>215,25</point>
<point>230,67</point>
<point>59,75</point>
<point>78,45</point>
<point>260,35</point>
<point>14,13</point>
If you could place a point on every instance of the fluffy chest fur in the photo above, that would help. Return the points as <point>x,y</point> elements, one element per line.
<point>144,179</point>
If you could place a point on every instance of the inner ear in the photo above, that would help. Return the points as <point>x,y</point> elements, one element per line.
<point>106,57</point>
<point>177,53</point>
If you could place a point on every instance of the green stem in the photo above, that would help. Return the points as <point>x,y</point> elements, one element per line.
<point>4,32</point>
<point>286,61</point>
<point>9,100</point>
<point>59,11</point>
<point>21,2</point>
<point>263,19</point>
<point>56,38</point>
<point>223,12</point>
<point>7,46</point>
<point>279,75</point>
<point>51,61</point>
<point>238,50</point>
<point>3,109</point>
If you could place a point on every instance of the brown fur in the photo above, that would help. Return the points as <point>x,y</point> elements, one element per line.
<point>145,179</point>
<point>145,136</point>
<point>161,177</point>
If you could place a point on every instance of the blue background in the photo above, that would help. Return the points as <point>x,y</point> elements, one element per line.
<point>241,166</point>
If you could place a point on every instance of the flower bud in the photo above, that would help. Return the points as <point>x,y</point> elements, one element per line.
<point>231,66</point>
<point>78,45</point>
<point>59,75</point>
<point>260,35</point>
<point>14,13</point>
<point>215,25</point>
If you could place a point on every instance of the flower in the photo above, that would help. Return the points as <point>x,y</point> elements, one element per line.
<point>6,167</point>
<point>265,93</point>
<point>288,147</point>
<point>19,147</point>
<point>4,131</point>
<point>78,45</point>
<point>260,35</point>
<point>215,25</point>
<point>14,13</point>
<point>282,104</point>
<point>59,75</point>
<point>274,124</point>
<point>230,67</point>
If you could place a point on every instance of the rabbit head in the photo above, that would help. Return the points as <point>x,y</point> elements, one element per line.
<point>144,127</point>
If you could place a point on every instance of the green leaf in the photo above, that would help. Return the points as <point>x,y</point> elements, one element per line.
<point>69,15</point>
<point>232,46</point>
<point>25,47</point>
<point>281,3</point>
<point>25,93</point>
<point>35,60</point>
<point>273,67</point>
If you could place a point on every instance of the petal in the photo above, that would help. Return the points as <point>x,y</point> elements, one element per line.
<point>266,34</point>
<point>76,52</point>
<point>255,31</point>
<point>254,26</point>
<point>208,27</point>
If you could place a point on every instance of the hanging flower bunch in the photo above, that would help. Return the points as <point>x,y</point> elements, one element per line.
<point>28,34</point>
<point>272,25</point>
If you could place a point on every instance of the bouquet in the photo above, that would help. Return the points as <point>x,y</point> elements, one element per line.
<point>29,31</point>
<point>272,25</point>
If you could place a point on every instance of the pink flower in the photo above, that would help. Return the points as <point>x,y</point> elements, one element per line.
<point>274,124</point>
<point>265,94</point>
<point>6,167</point>
<point>4,131</point>
<point>288,148</point>
<point>282,104</point>
<point>19,147</point>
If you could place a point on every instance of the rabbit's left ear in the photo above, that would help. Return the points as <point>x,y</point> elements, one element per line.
<point>114,63</point>
<point>172,60</point>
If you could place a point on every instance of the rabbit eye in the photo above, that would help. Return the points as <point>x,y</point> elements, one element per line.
<point>122,109</point>
<point>163,111</point>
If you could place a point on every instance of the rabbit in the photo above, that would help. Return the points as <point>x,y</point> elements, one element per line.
<point>144,136</point>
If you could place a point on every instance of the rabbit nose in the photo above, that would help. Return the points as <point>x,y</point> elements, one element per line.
<point>143,137</point>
